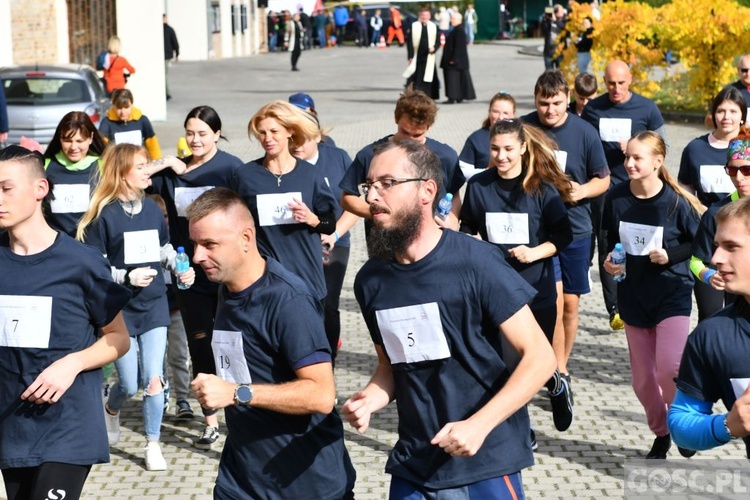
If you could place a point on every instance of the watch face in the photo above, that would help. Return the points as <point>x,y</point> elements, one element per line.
<point>244,394</point>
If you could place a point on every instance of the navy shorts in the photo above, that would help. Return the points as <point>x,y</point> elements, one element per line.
<point>574,264</point>
<point>507,487</point>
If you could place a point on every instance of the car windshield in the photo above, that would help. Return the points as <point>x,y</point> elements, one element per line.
<point>36,90</point>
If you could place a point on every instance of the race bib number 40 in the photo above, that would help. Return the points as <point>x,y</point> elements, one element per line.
<point>506,228</point>
<point>25,321</point>
<point>413,333</point>
<point>229,356</point>
<point>640,239</point>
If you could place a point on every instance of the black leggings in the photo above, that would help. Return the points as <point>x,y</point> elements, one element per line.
<point>198,311</point>
<point>334,273</point>
<point>51,480</point>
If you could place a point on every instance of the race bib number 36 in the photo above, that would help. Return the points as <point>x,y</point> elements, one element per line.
<point>507,228</point>
<point>640,239</point>
<point>229,356</point>
<point>412,334</point>
<point>25,321</point>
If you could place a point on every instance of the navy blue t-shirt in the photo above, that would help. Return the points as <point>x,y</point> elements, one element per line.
<point>652,292</point>
<point>134,241</point>
<point>179,191</point>
<point>535,219</point>
<point>72,190</point>
<point>476,152</point>
<point>643,114</point>
<point>269,454</point>
<point>437,321</point>
<point>703,242</point>
<point>714,363</point>
<point>744,89</point>
<point>296,245</point>
<point>116,130</point>
<point>333,162</point>
<point>579,144</point>
<point>702,168</point>
<point>73,283</point>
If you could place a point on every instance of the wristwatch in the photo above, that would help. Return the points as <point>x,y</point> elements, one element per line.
<point>243,394</point>
<point>726,426</point>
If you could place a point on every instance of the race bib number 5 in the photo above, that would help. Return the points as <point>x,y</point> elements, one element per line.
<point>413,333</point>
<point>231,364</point>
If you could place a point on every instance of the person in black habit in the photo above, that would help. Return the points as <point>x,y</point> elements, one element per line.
<point>422,43</point>
<point>294,39</point>
<point>455,64</point>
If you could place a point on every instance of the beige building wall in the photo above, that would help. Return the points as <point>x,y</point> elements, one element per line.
<point>34,32</point>
<point>6,39</point>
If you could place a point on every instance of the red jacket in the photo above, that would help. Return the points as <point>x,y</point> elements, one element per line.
<point>115,74</point>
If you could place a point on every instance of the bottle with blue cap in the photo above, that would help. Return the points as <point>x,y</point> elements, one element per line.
<point>444,206</point>
<point>181,265</point>
<point>618,259</point>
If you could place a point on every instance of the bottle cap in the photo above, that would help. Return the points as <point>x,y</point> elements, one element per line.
<point>449,197</point>
<point>180,249</point>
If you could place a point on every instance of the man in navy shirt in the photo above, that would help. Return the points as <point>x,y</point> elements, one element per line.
<point>617,115</point>
<point>743,72</point>
<point>581,156</point>
<point>441,308</point>
<point>273,363</point>
<point>415,114</point>
<point>714,364</point>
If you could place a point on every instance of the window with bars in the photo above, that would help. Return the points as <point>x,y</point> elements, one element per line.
<point>90,24</point>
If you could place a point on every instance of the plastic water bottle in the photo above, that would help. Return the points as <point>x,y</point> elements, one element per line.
<point>618,258</point>
<point>181,264</point>
<point>444,206</point>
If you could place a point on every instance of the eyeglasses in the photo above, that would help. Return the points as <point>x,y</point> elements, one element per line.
<point>744,70</point>
<point>732,171</point>
<point>382,185</point>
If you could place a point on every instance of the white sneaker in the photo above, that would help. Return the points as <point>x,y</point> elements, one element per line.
<point>153,457</point>
<point>113,426</point>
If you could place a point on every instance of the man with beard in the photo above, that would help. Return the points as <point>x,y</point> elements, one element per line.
<point>441,308</point>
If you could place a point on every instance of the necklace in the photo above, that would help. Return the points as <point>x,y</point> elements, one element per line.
<point>278,176</point>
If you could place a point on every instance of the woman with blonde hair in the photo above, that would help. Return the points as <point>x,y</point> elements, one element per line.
<point>518,205</point>
<point>130,231</point>
<point>655,220</point>
<point>115,67</point>
<point>290,200</point>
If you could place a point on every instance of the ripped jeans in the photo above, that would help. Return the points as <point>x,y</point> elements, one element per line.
<point>145,357</point>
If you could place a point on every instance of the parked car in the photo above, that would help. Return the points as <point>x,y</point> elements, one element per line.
<point>39,96</point>
<point>352,34</point>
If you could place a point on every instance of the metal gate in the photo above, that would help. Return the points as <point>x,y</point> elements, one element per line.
<point>90,24</point>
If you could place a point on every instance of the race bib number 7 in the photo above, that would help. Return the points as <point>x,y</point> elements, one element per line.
<point>413,333</point>
<point>25,321</point>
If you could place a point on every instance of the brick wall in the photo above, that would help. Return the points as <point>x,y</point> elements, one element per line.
<point>34,31</point>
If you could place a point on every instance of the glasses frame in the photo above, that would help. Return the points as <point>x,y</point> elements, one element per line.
<point>732,171</point>
<point>385,184</point>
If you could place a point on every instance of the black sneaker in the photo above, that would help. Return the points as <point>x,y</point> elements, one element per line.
<point>534,444</point>
<point>209,437</point>
<point>566,376</point>
<point>562,406</point>
<point>660,448</point>
<point>183,410</point>
<point>685,452</point>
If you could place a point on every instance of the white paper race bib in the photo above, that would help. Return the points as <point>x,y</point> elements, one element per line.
<point>640,239</point>
<point>715,180</point>
<point>229,355</point>
<point>142,246</point>
<point>184,196</point>
<point>273,209</point>
<point>413,333</point>
<point>70,198</point>
<point>562,159</point>
<point>508,229</point>
<point>739,385</point>
<point>129,137</point>
<point>615,129</point>
<point>25,321</point>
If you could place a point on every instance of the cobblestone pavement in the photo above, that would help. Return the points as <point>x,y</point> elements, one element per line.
<point>355,91</point>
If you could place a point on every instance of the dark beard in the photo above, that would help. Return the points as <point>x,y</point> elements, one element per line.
<point>387,243</point>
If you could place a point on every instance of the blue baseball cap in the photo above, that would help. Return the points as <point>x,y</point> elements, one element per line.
<point>302,101</point>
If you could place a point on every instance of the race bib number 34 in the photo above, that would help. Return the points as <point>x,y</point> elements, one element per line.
<point>229,356</point>
<point>640,239</point>
<point>413,333</point>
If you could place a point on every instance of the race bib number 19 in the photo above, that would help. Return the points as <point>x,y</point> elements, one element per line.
<point>229,356</point>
